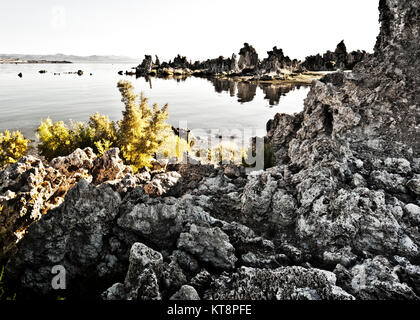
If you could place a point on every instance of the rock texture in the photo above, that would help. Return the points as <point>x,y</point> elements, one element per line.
<point>336,217</point>
<point>277,63</point>
<point>145,68</point>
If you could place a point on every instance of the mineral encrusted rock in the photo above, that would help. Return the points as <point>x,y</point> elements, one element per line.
<point>145,67</point>
<point>277,63</point>
<point>336,217</point>
<point>248,57</point>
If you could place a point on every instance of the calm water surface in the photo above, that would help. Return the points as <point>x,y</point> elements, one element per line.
<point>202,104</point>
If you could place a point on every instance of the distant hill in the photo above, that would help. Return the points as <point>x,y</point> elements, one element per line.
<point>72,58</point>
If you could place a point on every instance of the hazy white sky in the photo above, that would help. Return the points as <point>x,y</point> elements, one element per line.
<point>195,28</point>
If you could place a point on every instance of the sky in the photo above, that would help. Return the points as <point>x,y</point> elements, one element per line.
<point>197,29</point>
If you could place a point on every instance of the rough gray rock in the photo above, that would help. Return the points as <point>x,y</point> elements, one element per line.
<point>376,279</point>
<point>72,235</point>
<point>186,293</point>
<point>288,283</point>
<point>163,184</point>
<point>148,277</point>
<point>209,245</point>
<point>27,190</point>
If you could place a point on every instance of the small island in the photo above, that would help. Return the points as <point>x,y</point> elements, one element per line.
<point>12,60</point>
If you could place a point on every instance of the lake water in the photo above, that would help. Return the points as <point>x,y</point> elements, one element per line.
<point>203,105</point>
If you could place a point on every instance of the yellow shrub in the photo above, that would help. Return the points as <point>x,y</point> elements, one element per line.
<point>173,146</point>
<point>225,152</point>
<point>142,130</point>
<point>139,135</point>
<point>105,130</point>
<point>55,139</point>
<point>12,147</point>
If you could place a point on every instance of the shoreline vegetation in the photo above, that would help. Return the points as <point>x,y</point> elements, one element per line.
<point>144,140</point>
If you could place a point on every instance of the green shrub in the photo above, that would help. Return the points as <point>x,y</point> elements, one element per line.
<point>13,146</point>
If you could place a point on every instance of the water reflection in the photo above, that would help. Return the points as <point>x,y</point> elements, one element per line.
<point>246,91</point>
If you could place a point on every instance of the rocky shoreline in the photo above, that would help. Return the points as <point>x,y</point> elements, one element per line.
<point>337,217</point>
<point>276,68</point>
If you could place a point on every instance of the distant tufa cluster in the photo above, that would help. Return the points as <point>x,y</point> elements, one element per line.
<point>249,64</point>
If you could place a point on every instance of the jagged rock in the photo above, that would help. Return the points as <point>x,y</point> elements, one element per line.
<point>248,57</point>
<point>339,59</point>
<point>147,276</point>
<point>408,273</point>
<point>413,212</point>
<point>218,66</point>
<point>157,61</point>
<point>201,281</point>
<point>74,167</point>
<point>163,184</point>
<point>142,259</point>
<point>277,63</point>
<point>186,293</point>
<point>27,191</point>
<point>161,221</point>
<point>115,292</point>
<point>145,68</point>
<point>180,62</point>
<point>414,185</point>
<point>375,279</point>
<point>109,167</point>
<point>280,131</point>
<point>346,160</point>
<point>288,283</point>
<point>186,261</point>
<point>209,245</point>
<point>71,235</point>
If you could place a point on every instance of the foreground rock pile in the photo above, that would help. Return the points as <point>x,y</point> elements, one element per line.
<point>337,217</point>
